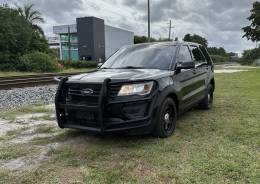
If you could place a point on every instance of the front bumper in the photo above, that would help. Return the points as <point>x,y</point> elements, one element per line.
<point>106,114</point>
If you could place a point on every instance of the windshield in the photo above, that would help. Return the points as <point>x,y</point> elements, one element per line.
<point>143,57</point>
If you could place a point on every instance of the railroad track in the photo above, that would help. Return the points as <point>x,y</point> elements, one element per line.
<point>30,80</point>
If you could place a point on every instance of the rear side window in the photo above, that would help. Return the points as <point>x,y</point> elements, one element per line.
<point>206,54</point>
<point>184,54</point>
<point>197,54</point>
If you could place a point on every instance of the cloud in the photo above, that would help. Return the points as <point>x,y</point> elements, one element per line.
<point>220,21</point>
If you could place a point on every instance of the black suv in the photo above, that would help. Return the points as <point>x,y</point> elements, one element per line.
<point>140,89</point>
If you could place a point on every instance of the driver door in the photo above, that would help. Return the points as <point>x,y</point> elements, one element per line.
<point>201,72</point>
<point>185,78</point>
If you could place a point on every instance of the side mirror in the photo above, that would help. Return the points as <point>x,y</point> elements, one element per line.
<point>99,65</point>
<point>185,65</point>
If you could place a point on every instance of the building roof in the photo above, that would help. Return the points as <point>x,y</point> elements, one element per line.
<point>63,29</point>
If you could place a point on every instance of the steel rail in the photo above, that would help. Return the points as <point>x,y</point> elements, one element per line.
<point>31,80</point>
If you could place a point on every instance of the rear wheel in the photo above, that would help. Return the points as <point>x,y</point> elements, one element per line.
<point>207,102</point>
<point>167,119</point>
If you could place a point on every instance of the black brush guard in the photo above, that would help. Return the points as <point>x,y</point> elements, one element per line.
<point>103,101</point>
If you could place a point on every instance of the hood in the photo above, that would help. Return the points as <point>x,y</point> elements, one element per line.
<point>121,74</point>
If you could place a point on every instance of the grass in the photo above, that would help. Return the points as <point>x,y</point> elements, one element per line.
<point>11,114</point>
<point>71,70</point>
<point>217,146</point>
<point>42,129</point>
<point>8,153</point>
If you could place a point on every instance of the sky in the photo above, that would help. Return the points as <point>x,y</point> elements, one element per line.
<point>219,21</point>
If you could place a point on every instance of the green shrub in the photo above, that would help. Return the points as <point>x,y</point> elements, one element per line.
<point>8,62</point>
<point>219,59</point>
<point>79,64</point>
<point>249,56</point>
<point>37,62</point>
<point>256,62</point>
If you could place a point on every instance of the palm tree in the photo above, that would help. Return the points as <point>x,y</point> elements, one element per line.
<point>32,16</point>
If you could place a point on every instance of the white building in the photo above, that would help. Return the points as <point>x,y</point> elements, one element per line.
<point>91,39</point>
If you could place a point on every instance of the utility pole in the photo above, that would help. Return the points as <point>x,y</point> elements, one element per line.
<point>69,43</point>
<point>170,30</point>
<point>149,22</point>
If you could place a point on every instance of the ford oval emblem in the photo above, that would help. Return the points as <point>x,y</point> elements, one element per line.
<point>87,91</point>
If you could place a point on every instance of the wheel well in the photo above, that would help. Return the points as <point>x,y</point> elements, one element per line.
<point>175,99</point>
<point>212,82</point>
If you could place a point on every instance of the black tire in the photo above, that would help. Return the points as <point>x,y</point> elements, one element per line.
<point>166,121</point>
<point>207,102</point>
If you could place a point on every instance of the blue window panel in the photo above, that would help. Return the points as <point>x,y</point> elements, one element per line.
<point>74,55</point>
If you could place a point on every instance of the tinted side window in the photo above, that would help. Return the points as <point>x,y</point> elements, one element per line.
<point>197,54</point>
<point>184,54</point>
<point>206,54</point>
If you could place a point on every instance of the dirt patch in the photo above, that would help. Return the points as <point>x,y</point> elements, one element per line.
<point>229,71</point>
<point>6,126</point>
<point>142,170</point>
<point>30,162</point>
<point>22,129</point>
<point>69,175</point>
<point>26,118</point>
<point>240,67</point>
<point>27,138</point>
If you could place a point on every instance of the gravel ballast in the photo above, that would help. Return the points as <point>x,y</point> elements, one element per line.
<point>26,96</point>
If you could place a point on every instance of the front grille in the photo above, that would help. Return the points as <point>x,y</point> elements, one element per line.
<point>114,90</point>
<point>76,95</point>
<point>82,118</point>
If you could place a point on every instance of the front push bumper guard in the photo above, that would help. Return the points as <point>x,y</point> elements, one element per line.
<point>136,123</point>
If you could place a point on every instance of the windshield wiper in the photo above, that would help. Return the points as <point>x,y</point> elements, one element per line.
<point>131,67</point>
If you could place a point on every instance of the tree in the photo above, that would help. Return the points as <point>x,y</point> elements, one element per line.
<point>196,38</point>
<point>217,51</point>
<point>15,37</point>
<point>144,39</point>
<point>32,16</point>
<point>249,56</point>
<point>252,32</point>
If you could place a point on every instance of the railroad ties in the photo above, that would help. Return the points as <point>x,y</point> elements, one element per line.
<point>30,80</point>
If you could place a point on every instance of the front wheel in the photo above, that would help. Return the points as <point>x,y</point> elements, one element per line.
<point>207,102</point>
<point>167,119</point>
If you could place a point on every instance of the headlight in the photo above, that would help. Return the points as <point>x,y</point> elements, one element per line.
<point>136,89</point>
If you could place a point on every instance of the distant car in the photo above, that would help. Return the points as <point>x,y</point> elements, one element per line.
<point>140,89</point>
